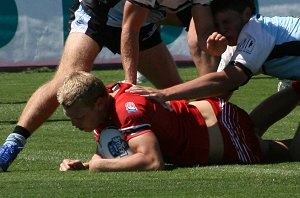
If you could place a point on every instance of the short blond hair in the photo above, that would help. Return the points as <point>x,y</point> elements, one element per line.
<point>80,86</point>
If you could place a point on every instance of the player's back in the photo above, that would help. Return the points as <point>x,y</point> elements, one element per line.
<point>180,128</point>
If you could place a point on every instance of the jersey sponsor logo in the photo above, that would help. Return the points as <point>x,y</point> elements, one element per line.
<point>246,45</point>
<point>130,107</point>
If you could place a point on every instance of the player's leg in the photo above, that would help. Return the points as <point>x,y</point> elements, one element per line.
<point>285,150</point>
<point>184,19</point>
<point>155,61</point>
<point>275,108</point>
<point>275,151</point>
<point>79,53</point>
<point>158,66</point>
<point>295,146</point>
<point>203,61</point>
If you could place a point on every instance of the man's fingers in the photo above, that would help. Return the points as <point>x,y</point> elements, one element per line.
<point>68,164</point>
<point>64,166</point>
<point>141,90</point>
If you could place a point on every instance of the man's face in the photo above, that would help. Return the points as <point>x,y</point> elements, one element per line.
<point>85,118</point>
<point>230,24</point>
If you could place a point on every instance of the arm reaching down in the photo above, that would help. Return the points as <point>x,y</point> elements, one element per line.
<point>133,19</point>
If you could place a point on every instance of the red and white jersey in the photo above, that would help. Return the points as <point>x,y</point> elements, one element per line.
<point>180,129</point>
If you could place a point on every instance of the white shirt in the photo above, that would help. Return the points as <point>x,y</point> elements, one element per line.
<point>270,45</point>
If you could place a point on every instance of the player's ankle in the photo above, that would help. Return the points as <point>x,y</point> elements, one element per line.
<point>17,139</point>
<point>22,131</point>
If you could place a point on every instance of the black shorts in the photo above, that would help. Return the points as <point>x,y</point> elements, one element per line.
<point>85,20</point>
<point>185,17</point>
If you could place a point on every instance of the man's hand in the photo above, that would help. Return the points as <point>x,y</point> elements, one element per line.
<point>68,164</point>
<point>151,93</point>
<point>216,44</point>
<point>148,92</point>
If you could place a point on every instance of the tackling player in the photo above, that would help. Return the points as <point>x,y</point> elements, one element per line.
<point>268,45</point>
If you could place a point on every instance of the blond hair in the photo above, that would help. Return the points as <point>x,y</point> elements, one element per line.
<point>80,86</point>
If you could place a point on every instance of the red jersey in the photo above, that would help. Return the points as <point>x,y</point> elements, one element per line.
<point>180,129</point>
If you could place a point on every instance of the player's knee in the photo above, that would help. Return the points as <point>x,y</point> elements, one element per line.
<point>193,45</point>
<point>294,152</point>
<point>276,151</point>
<point>295,156</point>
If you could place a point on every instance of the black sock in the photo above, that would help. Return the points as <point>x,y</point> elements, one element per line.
<point>22,131</point>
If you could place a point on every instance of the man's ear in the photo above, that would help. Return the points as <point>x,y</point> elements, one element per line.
<point>101,102</point>
<point>247,14</point>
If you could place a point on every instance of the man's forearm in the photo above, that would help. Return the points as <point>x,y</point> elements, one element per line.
<point>136,162</point>
<point>209,85</point>
<point>130,58</point>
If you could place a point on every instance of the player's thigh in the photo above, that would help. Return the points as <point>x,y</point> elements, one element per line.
<point>79,54</point>
<point>156,56</point>
<point>156,63</point>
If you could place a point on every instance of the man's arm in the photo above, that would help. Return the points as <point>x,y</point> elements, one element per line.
<point>133,19</point>
<point>69,164</point>
<point>146,156</point>
<point>209,85</point>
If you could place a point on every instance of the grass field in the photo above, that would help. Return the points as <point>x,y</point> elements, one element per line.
<point>35,172</point>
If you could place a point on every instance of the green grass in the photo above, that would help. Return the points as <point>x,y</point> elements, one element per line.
<point>35,172</point>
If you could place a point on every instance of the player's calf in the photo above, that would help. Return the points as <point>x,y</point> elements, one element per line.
<point>295,146</point>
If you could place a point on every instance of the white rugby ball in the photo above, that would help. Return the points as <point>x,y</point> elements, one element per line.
<point>112,144</point>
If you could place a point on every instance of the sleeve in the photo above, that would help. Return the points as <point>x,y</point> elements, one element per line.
<point>253,47</point>
<point>132,115</point>
<point>226,57</point>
